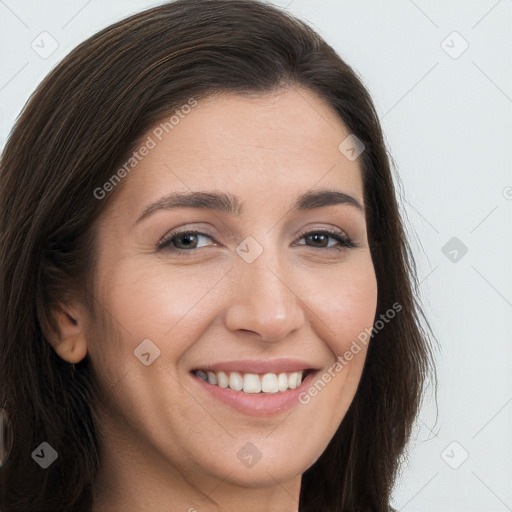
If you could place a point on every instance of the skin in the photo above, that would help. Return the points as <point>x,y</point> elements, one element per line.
<point>164,445</point>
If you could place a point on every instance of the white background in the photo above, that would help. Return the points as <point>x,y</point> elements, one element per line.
<point>447,118</point>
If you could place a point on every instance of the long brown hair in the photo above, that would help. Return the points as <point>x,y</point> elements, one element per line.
<point>76,130</point>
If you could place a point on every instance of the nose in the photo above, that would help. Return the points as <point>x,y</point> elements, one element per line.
<point>263,301</point>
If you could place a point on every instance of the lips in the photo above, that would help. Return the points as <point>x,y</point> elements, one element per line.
<point>256,376</point>
<point>259,366</point>
<point>252,400</point>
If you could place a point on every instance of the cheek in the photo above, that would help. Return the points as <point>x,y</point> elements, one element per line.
<point>345,310</point>
<point>168,305</point>
<point>345,303</point>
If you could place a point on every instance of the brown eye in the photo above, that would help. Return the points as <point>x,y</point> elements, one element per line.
<point>320,240</point>
<point>186,241</point>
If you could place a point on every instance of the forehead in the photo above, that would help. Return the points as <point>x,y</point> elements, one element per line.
<point>262,148</point>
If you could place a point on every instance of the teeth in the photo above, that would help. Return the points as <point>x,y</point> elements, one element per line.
<point>252,382</point>
<point>282,382</point>
<point>202,374</point>
<point>292,381</point>
<point>269,383</point>
<point>222,380</point>
<point>235,381</point>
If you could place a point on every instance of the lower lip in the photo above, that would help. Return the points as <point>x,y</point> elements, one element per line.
<point>257,404</point>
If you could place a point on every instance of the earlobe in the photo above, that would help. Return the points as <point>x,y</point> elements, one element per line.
<point>70,342</point>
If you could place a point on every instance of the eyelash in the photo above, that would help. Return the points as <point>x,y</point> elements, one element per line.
<point>345,242</point>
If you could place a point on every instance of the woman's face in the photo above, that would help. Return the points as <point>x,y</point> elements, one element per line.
<point>261,290</point>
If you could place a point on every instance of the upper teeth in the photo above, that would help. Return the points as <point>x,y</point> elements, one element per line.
<point>252,382</point>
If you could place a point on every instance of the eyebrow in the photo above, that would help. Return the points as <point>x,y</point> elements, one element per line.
<point>230,204</point>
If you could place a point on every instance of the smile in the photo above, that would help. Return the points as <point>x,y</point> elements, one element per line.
<point>253,382</point>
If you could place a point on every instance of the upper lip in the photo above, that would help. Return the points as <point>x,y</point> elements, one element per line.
<point>259,366</point>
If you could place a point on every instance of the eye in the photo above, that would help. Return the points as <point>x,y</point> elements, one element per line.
<point>184,241</point>
<point>320,239</point>
<point>187,241</point>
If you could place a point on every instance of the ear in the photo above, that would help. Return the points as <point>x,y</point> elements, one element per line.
<point>70,340</point>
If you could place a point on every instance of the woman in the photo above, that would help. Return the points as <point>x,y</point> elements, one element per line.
<point>206,292</point>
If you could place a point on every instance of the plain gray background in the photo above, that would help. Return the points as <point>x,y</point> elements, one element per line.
<point>441,78</point>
